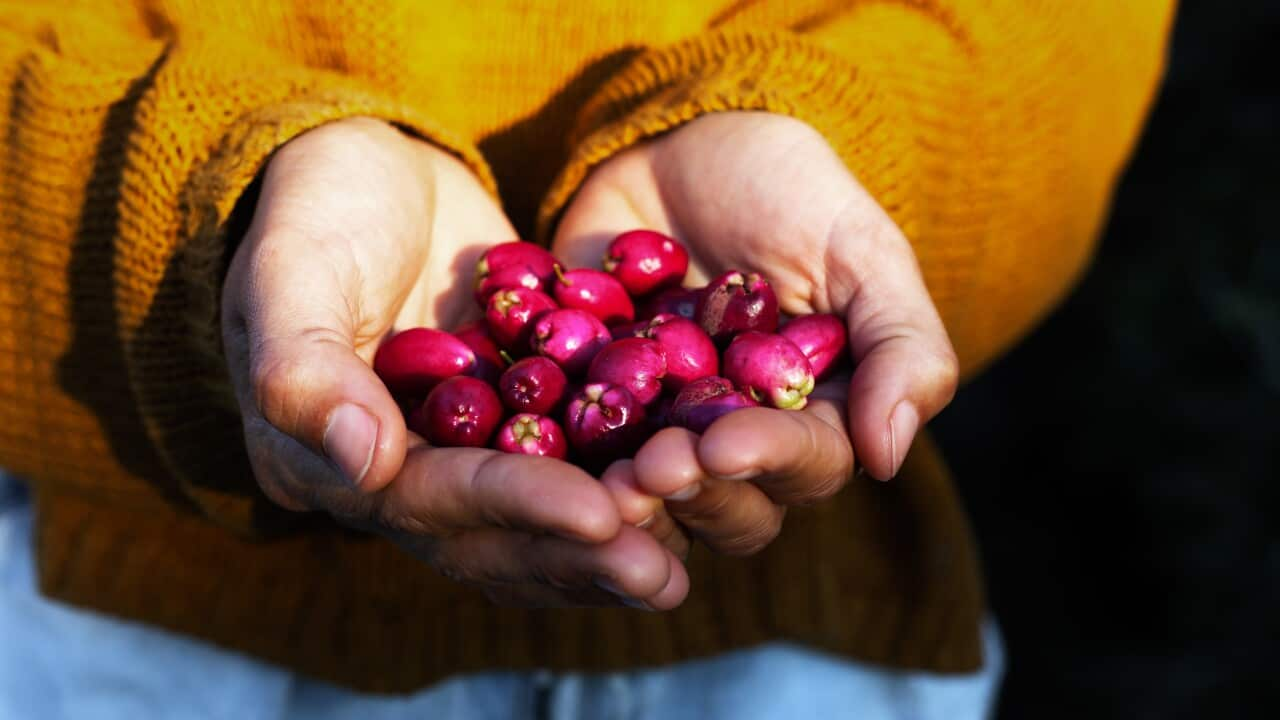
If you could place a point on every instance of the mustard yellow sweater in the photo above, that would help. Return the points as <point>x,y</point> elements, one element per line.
<point>991,130</point>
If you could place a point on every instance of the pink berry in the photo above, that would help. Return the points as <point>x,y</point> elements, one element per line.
<point>604,422</point>
<point>489,362</point>
<point>706,400</point>
<point>769,368</point>
<point>634,363</point>
<point>736,302</point>
<point>460,412</point>
<point>674,301</point>
<point>596,292</point>
<point>531,434</point>
<point>511,315</point>
<point>570,337</point>
<point>533,385</point>
<point>416,360</point>
<point>689,352</point>
<point>822,338</point>
<point>644,261</point>
<point>512,265</point>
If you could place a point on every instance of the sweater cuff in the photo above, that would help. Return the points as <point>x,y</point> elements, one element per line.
<point>775,71</point>
<point>178,370</point>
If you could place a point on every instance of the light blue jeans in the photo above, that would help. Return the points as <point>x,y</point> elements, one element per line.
<point>61,662</point>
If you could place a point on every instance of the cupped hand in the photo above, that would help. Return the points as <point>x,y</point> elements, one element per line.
<point>360,229</point>
<point>766,193</point>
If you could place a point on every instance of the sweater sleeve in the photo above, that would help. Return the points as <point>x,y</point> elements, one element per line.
<point>130,137</point>
<point>992,131</point>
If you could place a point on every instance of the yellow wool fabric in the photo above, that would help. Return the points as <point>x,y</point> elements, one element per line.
<point>991,130</point>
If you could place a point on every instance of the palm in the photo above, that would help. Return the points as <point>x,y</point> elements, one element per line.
<point>770,210</point>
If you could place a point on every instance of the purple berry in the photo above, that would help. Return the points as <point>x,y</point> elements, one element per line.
<point>570,337</point>
<point>822,338</point>
<point>460,412</point>
<point>644,261</point>
<point>704,401</point>
<point>626,330</point>
<point>769,368</point>
<point>735,303</point>
<point>604,422</point>
<point>634,363</point>
<point>511,315</point>
<point>533,385</point>
<point>413,362</point>
<point>690,354</point>
<point>489,362</point>
<point>530,434</point>
<point>675,301</point>
<point>596,292</point>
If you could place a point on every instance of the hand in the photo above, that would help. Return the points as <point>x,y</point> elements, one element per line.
<point>360,229</point>
<point>763,192</point>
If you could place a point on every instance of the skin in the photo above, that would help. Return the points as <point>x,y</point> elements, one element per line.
<point>730,486</point>
<point>322,275</point>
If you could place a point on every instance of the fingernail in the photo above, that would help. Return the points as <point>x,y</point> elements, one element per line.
<point>646,522</point>
<point>685,493</point>
<point>349,440</point>
<point>902,430</point>
<point>607,585</point>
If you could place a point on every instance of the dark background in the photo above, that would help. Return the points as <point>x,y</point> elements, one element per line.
<point>1123,465</point>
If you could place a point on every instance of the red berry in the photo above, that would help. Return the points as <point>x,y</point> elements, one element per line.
<point>530,434</point>
<point>604,422</point>
<point>596,292</point>
<point>489,362</point>
<point>416,360</point>
<point>822,338</point>
<point>634,363</point>
<point>706,400</point>
<point>570,337</point>
<point>511,315</point>
<point>737,302</point>
<point>689,351</point>
<point>644,261</point>
<point>769,368</point>
<point>533,385</point>
<point>507,278</point>
<point>674,301</point>
<point>460,412</point>
<point>512,265</point>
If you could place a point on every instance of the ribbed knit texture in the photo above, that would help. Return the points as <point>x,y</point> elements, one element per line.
<point>990,130</point>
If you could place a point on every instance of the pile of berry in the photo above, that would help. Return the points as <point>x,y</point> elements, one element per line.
<point>564,365</point>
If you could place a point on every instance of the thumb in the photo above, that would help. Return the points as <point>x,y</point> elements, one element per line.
<point>906,369</point>
<point>294,358</point>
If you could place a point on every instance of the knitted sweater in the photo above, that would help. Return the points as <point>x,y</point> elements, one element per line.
<point>991,130</point>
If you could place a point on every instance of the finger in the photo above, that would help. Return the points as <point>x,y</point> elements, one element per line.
<point>528,595</point>
<point>643,510</point>
<point>906,369</point>
<point>441,491</point>
<point>631,566</point>
<point>731,516</point>
<point>796,458</point>
<point>635,506</point>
